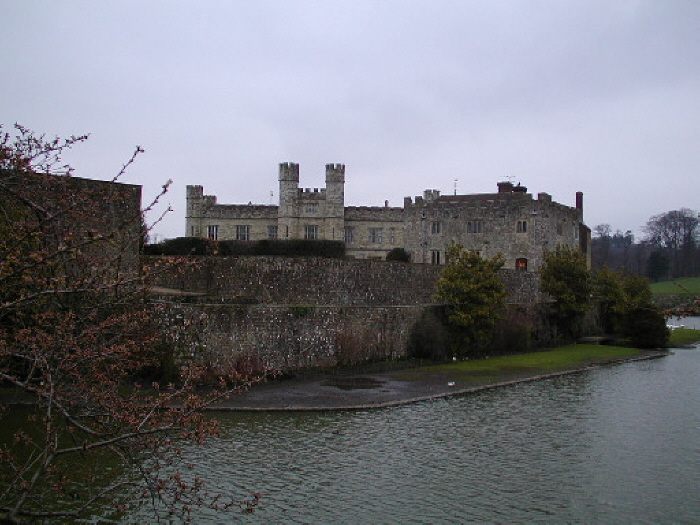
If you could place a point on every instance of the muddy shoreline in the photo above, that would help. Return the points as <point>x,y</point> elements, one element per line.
<point>376,390</point>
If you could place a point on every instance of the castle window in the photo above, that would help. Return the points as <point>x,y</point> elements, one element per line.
<point>521,227</point>
<point>435,257</point>
<point>392,235</point>
<point>521,264</point>
<point>213,231</point>
<point>311,232</point>
<point>560,229</point>
<point>242,233</point>
<point>272,232</point>
<point>474,227</point>
<point>435,228</point>
<point>311,207</point>
<point>376,235</point>
<point>349,235</point>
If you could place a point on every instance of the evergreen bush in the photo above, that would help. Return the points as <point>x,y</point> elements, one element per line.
<point>646,327</point>
<point>293,248</point>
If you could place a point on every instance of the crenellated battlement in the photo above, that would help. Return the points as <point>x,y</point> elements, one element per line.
<point>195,191</point>
<point>289,171</point>
<point>335,173</point>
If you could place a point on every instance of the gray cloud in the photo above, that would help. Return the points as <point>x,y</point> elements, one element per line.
<point>564,96</point>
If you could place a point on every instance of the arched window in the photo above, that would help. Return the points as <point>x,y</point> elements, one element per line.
<point>521,264</point>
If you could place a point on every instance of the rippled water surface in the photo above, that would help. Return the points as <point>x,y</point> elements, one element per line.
<point>614,445</point>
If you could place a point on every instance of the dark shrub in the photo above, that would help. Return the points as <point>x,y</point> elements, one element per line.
<point>249,365</point>
<point>293,248</point>
<point>398,255</point>
<point>201,246</point>
<point>182,246</point>
<point>430,338</point>
<point>646,327</point>
<point>513,333</point>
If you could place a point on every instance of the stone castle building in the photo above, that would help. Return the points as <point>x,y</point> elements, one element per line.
<point>510,222</point>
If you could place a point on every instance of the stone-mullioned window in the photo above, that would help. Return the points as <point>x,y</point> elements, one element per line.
<point>349,235</point>
<point>475,226</point>
<point>311,232</point>
<point>213,231</point>
<point>376,235</point>
<point>242,232</point>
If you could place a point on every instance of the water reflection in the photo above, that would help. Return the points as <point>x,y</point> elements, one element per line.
<point>618,444</point>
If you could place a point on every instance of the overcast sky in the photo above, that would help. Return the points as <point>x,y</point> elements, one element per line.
<point>563,96</point>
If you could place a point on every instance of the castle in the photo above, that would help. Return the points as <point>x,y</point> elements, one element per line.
<point>510,222</point>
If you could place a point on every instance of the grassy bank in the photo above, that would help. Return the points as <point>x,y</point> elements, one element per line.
<point>685,286</point>
<point>502,368</point>
<point>684,336</point>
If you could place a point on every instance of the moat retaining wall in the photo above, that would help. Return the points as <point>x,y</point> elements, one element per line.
<point>287,314</point>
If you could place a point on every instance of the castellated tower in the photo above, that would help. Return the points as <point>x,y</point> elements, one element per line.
<point>335,202</point>
<point>194,212</point>
<point>288,213</point>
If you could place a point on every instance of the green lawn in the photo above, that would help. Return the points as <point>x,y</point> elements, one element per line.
<point>684,336</point>
<point>687,285</point>
<point>503,368</point>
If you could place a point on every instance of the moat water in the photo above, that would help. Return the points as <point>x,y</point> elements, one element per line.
<point>619,444</point>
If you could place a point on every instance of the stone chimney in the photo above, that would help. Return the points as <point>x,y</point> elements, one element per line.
<point>505,187</point>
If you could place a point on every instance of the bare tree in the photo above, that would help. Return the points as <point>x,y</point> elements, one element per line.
<point>676,233</point>
<point>77,336</point>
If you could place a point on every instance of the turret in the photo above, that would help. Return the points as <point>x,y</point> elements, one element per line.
<point>287,215</point>
<point>335,201</point>
<point>335,173</point>
<point>431,195</point>
<point>193,213</point>
<point>289,188</point>
<point>335,189</point>
<point>289,172</point>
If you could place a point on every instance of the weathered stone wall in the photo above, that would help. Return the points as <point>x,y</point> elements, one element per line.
<point>87,209</point>
<point>295,313</point>
<point>315,281</point>
<point>283,338</point>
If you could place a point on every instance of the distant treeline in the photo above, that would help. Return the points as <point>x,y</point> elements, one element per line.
<point>291,248</point>
<point>670,249</point>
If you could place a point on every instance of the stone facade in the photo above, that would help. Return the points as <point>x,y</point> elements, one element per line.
<point>510,222</point>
